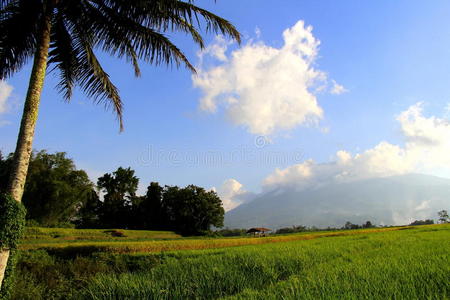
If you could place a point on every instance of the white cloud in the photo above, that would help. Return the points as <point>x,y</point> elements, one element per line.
<point>263,88</point>
<point>232,194</point>
<point>257,32</point>
<point>423,205</point>
<point>5,92</point>
<point>337,89</point>
<point>421,130</point>
<point>216,50</point>
<point>427,147</point>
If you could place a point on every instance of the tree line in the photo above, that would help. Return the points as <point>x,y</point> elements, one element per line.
<point>58,194</point>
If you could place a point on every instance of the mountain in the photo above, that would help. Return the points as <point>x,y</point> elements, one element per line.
<point>388,201</point>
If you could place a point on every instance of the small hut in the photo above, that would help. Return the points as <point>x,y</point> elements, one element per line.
<point>260,231</point>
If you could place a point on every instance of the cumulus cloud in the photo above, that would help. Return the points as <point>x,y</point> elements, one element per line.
<point>421,130</point>
<point>263,88</point>
<point>232,194</point>
<point>5,92</point>
<point>427,145</point>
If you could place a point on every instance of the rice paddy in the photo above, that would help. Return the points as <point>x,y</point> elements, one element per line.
<point>387,263</point>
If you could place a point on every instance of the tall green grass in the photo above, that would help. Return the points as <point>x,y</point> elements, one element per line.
<point>391,263</point>
<point>46,276</point>
<point>404,264</point>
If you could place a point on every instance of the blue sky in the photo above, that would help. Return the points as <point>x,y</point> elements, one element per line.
<point>389,55</point>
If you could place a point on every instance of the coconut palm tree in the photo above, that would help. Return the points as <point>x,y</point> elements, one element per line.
<point>66,35</point>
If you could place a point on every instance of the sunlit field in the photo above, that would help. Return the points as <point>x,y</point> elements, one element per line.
<point>40,235</point>
<point>132,241</point>
<point>399,262</point>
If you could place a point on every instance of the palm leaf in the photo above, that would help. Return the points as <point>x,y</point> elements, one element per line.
<point>93,80</point>
<point>115,31</point>
<point>112,37</point>
<point>6,3</point>
<point>17,35</point>
<point>64,57</point>
<point>158,13</point>
<point>131,29</point>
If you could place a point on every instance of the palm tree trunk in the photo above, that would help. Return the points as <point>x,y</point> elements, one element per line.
<point>24,145</point>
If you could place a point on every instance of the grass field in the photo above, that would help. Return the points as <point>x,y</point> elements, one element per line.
<point>388,263</point>
<point>39,235</point>
<point>132,241</point>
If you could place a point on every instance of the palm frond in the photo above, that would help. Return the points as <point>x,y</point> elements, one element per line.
<point>64,57</point>
<point>93,80</point>
<point>159,14</point>
<point>114,30</point>
<point>156,48</point>
<point>5,3</point>
<point>191,13</point>
<point>131,29</point>
<point>18,27</point>
<point>183,25</point>
<point>112,37</point>
<point>117,33</point>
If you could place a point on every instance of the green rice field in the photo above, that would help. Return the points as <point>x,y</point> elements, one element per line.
<point>383,263</point>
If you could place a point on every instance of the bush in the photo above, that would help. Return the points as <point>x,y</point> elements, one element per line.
<point>115,233</point>
<point>230,232</point>
<point>422,222</point>
<point>292,229</point>
<point>12,223</point>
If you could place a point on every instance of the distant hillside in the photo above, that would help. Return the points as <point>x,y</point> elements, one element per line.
<point>390,201</point>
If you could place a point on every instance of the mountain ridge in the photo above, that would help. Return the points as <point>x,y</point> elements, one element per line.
<point>394,200</point>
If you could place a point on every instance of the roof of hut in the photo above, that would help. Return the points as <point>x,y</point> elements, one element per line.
<point>258,229</point>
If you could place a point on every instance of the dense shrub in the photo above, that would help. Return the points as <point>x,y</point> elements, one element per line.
<point>292,229</point>
<point>230,232</point>
<point>422,222</point>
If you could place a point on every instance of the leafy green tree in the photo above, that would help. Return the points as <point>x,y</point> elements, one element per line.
<point>88,213</point>
<point>54,189</point>
<point>149,213</point>
<point>193,210</point>
<point>120,192</point>
<point>368,224</point>
<point>350,225</point>
<point>171,204</point>
<point>443,216</point>
<point>62,35</point>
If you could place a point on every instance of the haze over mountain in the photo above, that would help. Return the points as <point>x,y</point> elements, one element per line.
<point>391,200</point>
